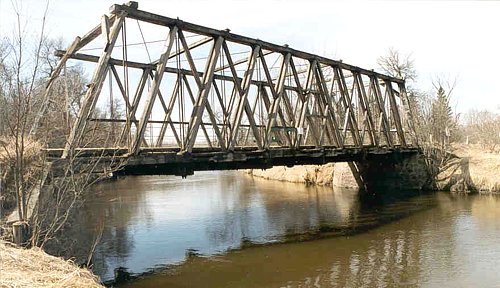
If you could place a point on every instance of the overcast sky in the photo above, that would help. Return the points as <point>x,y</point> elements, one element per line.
<point>447,39</point>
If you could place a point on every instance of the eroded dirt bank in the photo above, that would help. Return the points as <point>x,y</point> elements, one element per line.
<point>331,174</point>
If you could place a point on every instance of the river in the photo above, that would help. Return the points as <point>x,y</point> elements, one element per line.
<point>227,229</point>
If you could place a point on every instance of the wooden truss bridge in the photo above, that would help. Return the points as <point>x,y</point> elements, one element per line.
<point>178,97</point>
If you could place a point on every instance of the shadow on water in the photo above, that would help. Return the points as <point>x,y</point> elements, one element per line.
<point>154,224</point>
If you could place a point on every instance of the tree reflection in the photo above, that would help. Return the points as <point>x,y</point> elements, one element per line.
<point>117,203</point>
<point>159,220</point>
<point>420,250</point>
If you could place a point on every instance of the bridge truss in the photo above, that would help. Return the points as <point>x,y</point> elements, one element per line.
<point>203,88</point>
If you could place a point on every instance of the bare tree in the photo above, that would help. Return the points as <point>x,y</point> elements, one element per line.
<point>397,65</point>
<point>402,66</point>
<point>23,85</point>
<point>3,81</point>
<point>483,127</point>
<point>19,90</point>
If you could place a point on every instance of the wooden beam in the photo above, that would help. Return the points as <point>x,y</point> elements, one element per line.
<point>153,92</point>
<point>267,105</point>
<point>409,114</point>
<point>277,92</point>
<point>191,46</point>
<point>357,176</point>
<point>172,70</point>
<point>167,120</point>
<point>191,97</point>
<point>304,95</point>
<point>238,62</point>
<point>120,86</point>
<point>201,30</point>
<point>200,86</point>
<point>366,107</point>
<point>243,104</point>
<point>199,107</point>
<point>347,101</point>
<point>211,115</point>
<point>395,112</point>
<point>93,91</point>
<point>381,105</point>
<point>134,106</point>
<point>329,104</point>
<point>94,33</point>
<point>189,59</point>
<point>236,79</point>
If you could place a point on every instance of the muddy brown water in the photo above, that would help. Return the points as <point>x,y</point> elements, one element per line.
<point>227,229</point>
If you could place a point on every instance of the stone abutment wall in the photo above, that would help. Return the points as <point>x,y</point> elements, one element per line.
<point>395,171</point>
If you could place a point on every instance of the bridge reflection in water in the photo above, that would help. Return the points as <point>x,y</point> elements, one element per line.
<point>184,230</point>
<point>153,222</point>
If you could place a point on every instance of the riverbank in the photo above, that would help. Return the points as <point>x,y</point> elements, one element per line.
<point>330,174</point>
<point>321,175</point>
<point>484,167</point>
<point>35,268</point>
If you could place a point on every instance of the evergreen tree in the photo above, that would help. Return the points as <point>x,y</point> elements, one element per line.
<point>442,120</point>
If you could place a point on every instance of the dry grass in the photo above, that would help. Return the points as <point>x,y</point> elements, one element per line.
<point>484,167</point>
<point>35,268</point>
<point>32,150</point>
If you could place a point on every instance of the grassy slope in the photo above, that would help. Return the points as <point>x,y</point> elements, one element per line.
<point>34,268</point>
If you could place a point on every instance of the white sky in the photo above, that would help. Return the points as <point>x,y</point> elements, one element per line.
<point>445,38</point>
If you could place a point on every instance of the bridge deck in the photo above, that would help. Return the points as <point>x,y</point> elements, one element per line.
<point>169,161</point>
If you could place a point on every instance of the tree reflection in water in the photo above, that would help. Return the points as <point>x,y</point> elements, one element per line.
<point>151,221</point>
<point>432,248</point>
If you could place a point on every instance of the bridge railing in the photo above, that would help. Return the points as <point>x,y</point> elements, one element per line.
<point>201,87</point>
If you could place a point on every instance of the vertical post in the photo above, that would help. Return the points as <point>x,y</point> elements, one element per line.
<point>20,233</point>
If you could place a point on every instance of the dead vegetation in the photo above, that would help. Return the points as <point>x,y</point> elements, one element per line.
<point>484,167</point>
<point>34,268</point>
<point>33,165</point>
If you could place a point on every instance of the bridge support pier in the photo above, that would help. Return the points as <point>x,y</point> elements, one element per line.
<point>395,171</point>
